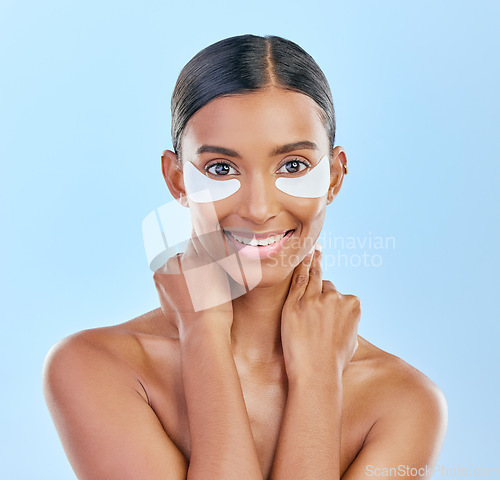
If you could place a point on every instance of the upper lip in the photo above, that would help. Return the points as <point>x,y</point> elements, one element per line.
<point>257,235</point>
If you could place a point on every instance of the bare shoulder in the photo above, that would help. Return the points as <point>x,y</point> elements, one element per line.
<point>404,414</point>
<point>94,387</point>
<point>116,348</point>
<point>104,342</point>
<point>396,388</point>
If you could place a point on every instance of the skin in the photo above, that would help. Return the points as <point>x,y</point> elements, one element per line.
<point>275,384</point>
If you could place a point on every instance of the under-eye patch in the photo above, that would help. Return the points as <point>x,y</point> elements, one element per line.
<point>313,184</point>
<point>203,189</point>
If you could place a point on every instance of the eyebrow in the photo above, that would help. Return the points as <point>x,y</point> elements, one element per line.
<point>289,147</point>
<point>221,150</point>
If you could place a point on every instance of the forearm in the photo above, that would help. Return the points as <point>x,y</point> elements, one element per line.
<point>222,445</point>
<point>309,440</point>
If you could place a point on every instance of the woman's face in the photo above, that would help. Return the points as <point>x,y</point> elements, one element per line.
<point>257,138</point>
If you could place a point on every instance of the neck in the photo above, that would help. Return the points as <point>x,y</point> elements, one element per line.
<point>256,329</point>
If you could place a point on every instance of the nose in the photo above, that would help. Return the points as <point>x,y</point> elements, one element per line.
<point>259,202</point>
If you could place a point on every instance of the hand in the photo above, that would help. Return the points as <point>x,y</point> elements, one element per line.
<point>318,324</point>
<point>192,286</point>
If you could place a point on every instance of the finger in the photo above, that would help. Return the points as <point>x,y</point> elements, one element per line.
<point>210,246</point>
<point>355,306</point>
<point>170,267</point>
<point>329,286</point>
<point>196,255</point>
<point>315,284</point>
<point>178,257</point>
<point>300,279</point>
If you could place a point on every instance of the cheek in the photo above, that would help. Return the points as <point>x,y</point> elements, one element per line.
<point>204,218</point>
<point>310,212</point>
<point>312,219</point>
<point>205,222</point>
<point>309,215</point>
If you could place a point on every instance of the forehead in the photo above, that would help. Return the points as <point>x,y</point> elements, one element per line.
<point>256,121</point>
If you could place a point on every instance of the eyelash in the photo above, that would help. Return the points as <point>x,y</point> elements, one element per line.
<point>303,162</point>
<point>208,167</point>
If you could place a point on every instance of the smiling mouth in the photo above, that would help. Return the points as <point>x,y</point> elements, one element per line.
<point>260,242</point>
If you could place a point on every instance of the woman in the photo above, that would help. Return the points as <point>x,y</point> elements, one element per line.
<point>252,367</point>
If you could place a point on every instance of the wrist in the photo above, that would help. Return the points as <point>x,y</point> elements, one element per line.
<point>313,379</point>
<point>205,324</point>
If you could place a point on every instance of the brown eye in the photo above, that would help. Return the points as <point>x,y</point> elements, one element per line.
<point>220,169</point>
<point>293,166</point>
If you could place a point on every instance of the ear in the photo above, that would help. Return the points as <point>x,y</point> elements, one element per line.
<point>338,168</point>
<point>172,173</point>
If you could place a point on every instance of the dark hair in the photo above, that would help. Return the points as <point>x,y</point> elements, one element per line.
<point>244,64</point>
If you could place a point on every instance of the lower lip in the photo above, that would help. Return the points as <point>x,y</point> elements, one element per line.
<point>263,251</point>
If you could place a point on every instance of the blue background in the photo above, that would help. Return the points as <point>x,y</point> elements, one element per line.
<point>85,114</point>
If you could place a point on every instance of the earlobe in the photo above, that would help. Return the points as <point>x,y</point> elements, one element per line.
<point>172,173</point>
<point>338,170</point>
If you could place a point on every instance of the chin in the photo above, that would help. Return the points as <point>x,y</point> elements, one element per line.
<point>260,274</point>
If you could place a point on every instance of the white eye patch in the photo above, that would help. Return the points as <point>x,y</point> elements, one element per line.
<point>313,184</point>
<point>203,189</point>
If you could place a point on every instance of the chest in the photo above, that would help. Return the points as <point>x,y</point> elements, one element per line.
<point>265,397</point>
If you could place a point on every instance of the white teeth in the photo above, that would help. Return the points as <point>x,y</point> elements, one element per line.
<point>262,242</point>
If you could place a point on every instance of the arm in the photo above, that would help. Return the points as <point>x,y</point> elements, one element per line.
<point>309,440</point>
<point>109,431</point>
<point>222,445</point>
<point>100,410</point>
<point>404,441</point>
<point>319,336</point>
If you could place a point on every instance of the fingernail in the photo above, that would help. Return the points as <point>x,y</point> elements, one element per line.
<point>318,246</point>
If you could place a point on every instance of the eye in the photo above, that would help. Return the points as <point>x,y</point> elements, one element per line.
<point>220,169</point>
<point>294,166</point>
